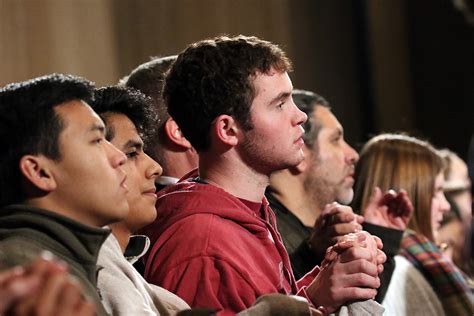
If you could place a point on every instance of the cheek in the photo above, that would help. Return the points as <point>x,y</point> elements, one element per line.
<point>333,164</point>
<point>435,207</point>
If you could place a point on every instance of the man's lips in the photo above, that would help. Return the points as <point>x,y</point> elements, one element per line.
<point>150,192</point>
<point>300,140</point>
<point>123,183</point>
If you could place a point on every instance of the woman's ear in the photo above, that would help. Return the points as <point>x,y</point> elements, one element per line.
<point>226,130</point>
<point>174,133</point>
<point>36,169</point>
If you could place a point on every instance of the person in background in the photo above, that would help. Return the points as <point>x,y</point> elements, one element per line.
<point>455,230</point>
<point>404,162</point>
<point>167,145</point>
<point>304,197</point>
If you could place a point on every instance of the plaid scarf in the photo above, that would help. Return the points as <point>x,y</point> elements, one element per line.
<point>446,279</point>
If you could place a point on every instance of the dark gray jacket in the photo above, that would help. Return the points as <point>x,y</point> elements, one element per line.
<point>26,231</point>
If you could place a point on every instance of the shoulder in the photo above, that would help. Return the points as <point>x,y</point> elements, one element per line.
<point>18,250</point>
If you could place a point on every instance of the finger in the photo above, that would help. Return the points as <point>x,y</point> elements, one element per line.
<point>356,253</point>
<point>45,265</point>
<point>343,245</point>
<point>361,280</point>
<point>70,298</point>
<point>23,285</point>
<point>8,275</point>
<point>342,229</point>
<point>357,294</point>
<point>378,241</point>
<point>388,197</point>
<point>406,202</point>
<point>329,208</point>
<point>358,239</point>
<point>374,203</point>
<point>400,223</point>
<point>17,287</point>
<point>321,311</point>
<point>24,307</point>
<point>331,254</point>
<point>381,257</point>
<point>380,268</point>
<point>359,218</point>
<point>86,308</point>
<point>48,297</point>
<point>341,212</point>
<point>376,196</point>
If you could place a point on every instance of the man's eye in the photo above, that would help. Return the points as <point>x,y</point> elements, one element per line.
<point>132,154</point>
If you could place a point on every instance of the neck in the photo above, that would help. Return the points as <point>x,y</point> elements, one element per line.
<point>122,233</point>
<point>57,205</point>
<point>232,175</point>
<point>288,188</point>
<point>178,164</point>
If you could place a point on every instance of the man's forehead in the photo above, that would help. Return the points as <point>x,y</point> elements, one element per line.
<point>79,112</point>
<point>125,132</point>
<point>327,119</point>
<point>261,81</point>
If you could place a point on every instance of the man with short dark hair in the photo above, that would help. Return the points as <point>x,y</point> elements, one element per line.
<point>129,119</point>
<point>167,145</point>
<point>60,179</point>
<point>215,241</point>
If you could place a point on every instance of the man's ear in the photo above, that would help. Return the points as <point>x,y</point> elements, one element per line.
<point>36,170</point>
<point>175,134</point>
<point>226,129</point>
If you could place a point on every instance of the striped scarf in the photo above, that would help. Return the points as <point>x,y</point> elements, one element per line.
<point>446,279</point>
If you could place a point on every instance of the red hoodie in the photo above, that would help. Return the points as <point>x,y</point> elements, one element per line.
<point>211,250</point>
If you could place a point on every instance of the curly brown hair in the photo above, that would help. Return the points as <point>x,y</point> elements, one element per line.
<point>214,77</point>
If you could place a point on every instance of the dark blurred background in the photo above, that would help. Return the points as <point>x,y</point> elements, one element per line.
<point>385,65</point>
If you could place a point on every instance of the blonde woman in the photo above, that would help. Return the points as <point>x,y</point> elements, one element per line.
<point>392,161</point>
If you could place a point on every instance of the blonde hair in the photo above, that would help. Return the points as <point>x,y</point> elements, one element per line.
<point>394,161</point>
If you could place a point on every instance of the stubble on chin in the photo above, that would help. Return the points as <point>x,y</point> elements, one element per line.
<point>320,191</point>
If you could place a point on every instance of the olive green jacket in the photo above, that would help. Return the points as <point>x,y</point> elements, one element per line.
<point>26,231</point>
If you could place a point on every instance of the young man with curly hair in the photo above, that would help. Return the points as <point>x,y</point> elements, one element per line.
<point>215,242</point>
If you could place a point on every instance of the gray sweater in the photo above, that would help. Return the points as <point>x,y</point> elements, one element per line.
<point>125,292</point>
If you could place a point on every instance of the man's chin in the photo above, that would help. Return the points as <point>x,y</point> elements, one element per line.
<point>345,197</point>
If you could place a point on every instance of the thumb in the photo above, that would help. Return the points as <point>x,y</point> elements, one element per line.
<point>374,201</point>
<point>376,196</point>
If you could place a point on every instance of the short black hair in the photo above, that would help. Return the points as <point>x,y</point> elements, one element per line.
<point>307,101</point>
<point>149,79</point>
<point>214,77</point>
<point>129,102</point>
<point>29,124</point>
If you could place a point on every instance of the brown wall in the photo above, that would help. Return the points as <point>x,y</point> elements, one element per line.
<point>368,58</point>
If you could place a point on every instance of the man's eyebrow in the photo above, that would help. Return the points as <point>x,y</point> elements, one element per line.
<point>133,143</point>
<point>282,95</point>
<point>97,127</point>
